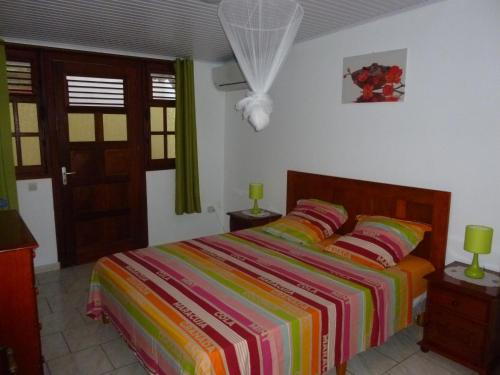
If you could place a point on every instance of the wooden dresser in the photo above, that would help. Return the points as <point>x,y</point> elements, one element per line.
<point>463,321</point>
<point>19,327</point>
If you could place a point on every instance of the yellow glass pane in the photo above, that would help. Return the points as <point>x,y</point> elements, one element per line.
<point>156,114</point>
<point>170,119</point>
<point>30,151</point>
<point>11,111</point>
<point>157,147</point>
<point>28,117</point>
<point>14,150</point>
<point>171,146</point>
<point>114,127</point>
<point>81,127</point>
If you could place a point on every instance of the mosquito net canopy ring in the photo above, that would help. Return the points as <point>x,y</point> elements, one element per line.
<point>261,33</point>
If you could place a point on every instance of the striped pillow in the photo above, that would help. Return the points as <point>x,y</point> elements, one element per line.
<point>379,241</point>
<point>310,221</point>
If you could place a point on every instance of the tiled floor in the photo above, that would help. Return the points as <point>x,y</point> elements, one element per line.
<point>76,345</point>
<point>71,342</point>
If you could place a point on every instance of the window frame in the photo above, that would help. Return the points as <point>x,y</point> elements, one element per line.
<point>165,67</point>
<point>36,56</point>
<point>30,171</point>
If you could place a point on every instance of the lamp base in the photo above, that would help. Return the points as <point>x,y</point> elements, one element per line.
<point>474,271</point>
<point>256,209</point>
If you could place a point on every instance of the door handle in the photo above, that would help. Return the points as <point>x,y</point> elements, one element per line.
<point>65,175</point>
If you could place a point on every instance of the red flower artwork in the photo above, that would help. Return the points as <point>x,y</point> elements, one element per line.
<point>379,83</point>
<point>394,74</point>
<point>388,90</point>
<point>367,92</point>
<point>363,76</point>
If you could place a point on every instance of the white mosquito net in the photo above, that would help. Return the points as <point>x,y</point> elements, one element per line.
<point>261,33</point>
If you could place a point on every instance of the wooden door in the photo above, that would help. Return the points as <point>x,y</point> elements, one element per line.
<point>99,171</point>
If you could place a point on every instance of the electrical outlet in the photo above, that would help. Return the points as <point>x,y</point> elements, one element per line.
<point>32,186</point>
<point>210,209</point>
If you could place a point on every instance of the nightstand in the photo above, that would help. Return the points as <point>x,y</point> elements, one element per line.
<point>462,321</point>
<point>242,219</point>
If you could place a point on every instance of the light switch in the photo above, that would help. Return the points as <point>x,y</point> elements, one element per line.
<point>32,186</point>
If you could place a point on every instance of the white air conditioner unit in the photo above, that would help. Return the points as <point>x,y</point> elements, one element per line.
<point>228,77</point>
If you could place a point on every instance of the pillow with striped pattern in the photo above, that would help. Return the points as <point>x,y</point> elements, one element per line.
<point>311,221</point>
<point>379,241</point>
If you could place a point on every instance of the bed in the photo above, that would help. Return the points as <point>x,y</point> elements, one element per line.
<point>248,302</point>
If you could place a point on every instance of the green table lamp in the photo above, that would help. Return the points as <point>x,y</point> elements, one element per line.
<point>256,192</point>
<point>477,241</point>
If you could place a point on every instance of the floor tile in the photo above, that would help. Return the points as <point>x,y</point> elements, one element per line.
<point>414,332</point>
<point>77,284</point>
<point>48,277</point>
<point>46,370</point>
<point>399,347</point>
<point>43,307</point>
<point>134,369</point>
<point>334,372</point>
<point>60,321</point>
<point>78,277</point>
<point>119,353</point>
<point>90,361</point>
<point>448,364</point>
<point>54,346</point>
<point>89,335</point>
<point>370,362</point>
<point>423,363</point>
<point>85,317</point>
<point>68,301</point>
<point>50,289</point>
<point>78,272</point>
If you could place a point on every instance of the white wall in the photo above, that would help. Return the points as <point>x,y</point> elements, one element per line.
<point>36,207</point>
<point>37,210</point>
<point>446,135</point>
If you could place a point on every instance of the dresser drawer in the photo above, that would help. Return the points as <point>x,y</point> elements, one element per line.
<point>455,334</point>
<point>461,304</point>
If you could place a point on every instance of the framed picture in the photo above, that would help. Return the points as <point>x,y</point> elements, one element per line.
<point>375,77</point>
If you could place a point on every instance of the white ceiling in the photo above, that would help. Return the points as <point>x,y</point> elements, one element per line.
<point>167,27</point>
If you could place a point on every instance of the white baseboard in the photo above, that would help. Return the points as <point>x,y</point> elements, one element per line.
<point>48,267</point>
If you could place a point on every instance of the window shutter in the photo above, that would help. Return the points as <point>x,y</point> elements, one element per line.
<point>162,86</point>
<point>95,92</point>
<point>19,79</point>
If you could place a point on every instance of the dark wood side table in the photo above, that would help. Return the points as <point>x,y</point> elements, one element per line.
<point>242,220</point>
<point>463,321</point>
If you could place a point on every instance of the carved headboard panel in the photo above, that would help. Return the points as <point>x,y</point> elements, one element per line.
<point>375,198</point>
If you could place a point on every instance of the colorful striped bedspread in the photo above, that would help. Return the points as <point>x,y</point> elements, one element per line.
<point>246,303</point>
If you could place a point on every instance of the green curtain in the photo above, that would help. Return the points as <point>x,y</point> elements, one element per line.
<point>187,189</point>
<point>8,190</point>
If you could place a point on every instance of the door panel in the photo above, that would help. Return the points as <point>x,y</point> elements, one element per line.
<point>100,138</point>
<point>116,162</point>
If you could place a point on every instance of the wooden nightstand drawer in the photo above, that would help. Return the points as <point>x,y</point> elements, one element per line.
<point>455,334</point>
<point>463,321</point>
<point>466,306</point>
<point>242,220</point>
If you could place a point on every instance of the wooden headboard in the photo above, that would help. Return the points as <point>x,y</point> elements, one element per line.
<point>375,198</point>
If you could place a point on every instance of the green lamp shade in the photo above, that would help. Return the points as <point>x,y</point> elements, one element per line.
<point>256,190</point>
<point>478,239</point>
